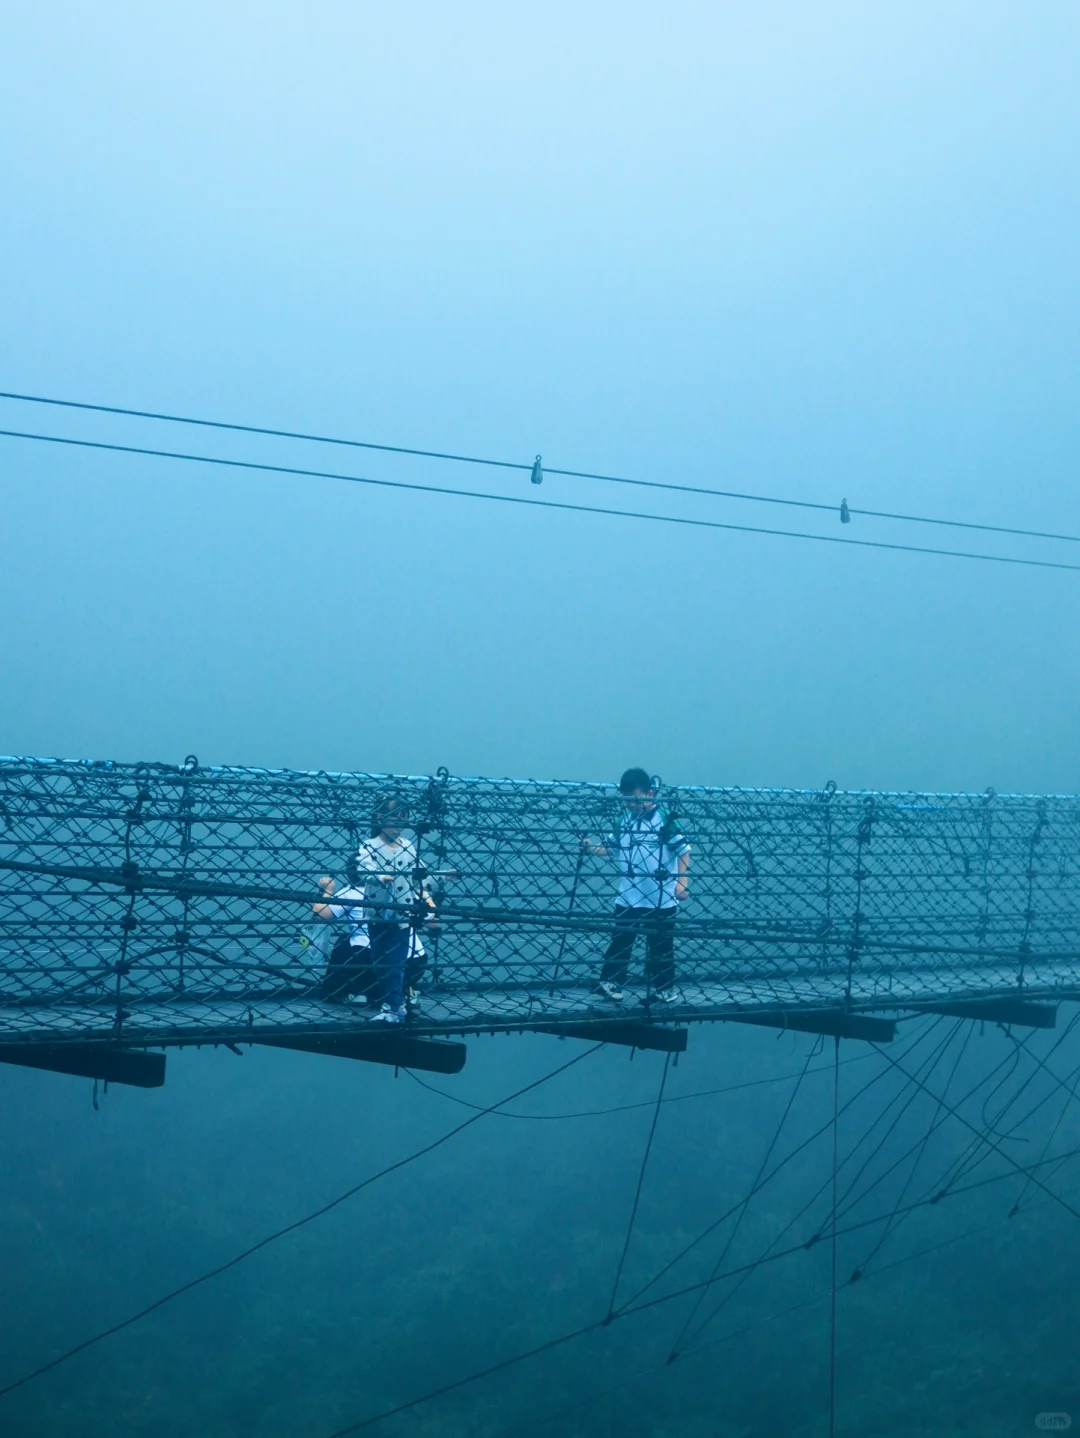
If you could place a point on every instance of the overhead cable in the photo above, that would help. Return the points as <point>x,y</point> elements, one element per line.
<point>536,470</point>
<point>551,504</point>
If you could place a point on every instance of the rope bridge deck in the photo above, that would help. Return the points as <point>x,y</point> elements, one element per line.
<point>153,905</point>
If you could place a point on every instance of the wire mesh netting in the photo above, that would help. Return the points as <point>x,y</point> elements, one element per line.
<point>168,903</point>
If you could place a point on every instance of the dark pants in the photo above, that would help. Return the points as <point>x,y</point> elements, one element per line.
<point>658,928</point>
<point>389,952</point>
<point>415,968</point>
<point>349,971</point>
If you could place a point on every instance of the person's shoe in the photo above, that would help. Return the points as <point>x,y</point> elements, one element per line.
<point>387,1015</point>
<point>412,999</point>
<point>670,996</point>
<point>605,989</point>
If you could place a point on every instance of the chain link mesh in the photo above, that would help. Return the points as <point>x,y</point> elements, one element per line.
<point>159,904</point>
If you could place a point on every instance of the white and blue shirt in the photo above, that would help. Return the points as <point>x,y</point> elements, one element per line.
<point>647,848</point>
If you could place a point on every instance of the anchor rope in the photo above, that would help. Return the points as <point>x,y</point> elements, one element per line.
<point>919,1154</point>
<point>794,1220</point>
<point>990,1142</point>
<point>734,1230</point>
<point>768,1178</point>
<point>975,1152</point>
<point>286,1229</point>
<point>637,1189</point>
<point>645,1103</point>
<point>640,1374</point>
<point>549,1345</point>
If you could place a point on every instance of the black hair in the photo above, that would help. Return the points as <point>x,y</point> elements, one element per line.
<point>391,806</point>
<point>635,779</point>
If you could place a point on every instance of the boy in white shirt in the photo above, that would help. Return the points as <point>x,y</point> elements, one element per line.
<point>654,865</point>
<point>348,969</point>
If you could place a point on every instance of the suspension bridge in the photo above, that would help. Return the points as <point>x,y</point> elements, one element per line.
<point>150,906</point>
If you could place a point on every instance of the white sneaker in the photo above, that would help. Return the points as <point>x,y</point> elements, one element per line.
<point>605,989</point>
<point>670,996</point>
<point>387,1015</point>
<point>412,999</point>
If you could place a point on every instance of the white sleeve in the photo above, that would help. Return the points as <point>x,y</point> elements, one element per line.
<point>366,858</point>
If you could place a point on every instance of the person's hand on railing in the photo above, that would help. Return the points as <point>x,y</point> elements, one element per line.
<point>327,887</point>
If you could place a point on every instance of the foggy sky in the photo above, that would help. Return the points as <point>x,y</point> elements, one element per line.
<point>815,252</point>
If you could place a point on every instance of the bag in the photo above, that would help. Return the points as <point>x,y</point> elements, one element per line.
<point>316,940</point>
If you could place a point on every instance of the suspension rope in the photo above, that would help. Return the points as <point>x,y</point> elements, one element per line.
<point>637,1190</point>
<point>549,1345</point>
<point>518,465</point>
<point>920,1152</point>
<point>640,1374</point>
<point>986,1139</point>
<point>944,1187</point>
<point>811,1202</point>
<point>905,1100</point>
<point>287,1228</point>
<point>910,1096</point>
<point>552,504</point>
<point>942,1115</point>
<point>767,1179</point>
<point>645,1103</point>
<point>1070,1096</point>
<point>975,1149</point>
<point>674,1351</point>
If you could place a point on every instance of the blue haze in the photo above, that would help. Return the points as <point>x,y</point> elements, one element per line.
<point>815,252</point>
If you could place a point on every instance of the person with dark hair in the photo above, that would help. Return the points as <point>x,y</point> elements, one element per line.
<point>349,973</point>
<point>388,865</point>
<point>654,866</point>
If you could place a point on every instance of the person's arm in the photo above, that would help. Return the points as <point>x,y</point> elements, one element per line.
<point>325,911</point>
<point>431,918</point>
<point>682,883</point>
<point>602,850</point>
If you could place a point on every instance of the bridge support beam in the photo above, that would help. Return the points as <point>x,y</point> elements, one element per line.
<point>437,1056</point>
<point>631,1035</point>
<point>96,1061</point>
<point>837,1022</point>
<point>1021,1012</point>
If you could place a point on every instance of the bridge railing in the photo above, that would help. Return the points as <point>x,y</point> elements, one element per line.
<point>129,893</point>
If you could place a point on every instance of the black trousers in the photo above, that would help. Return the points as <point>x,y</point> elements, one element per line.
<point>349,970</point>
<point>415,968</point>
<point>657,926</point>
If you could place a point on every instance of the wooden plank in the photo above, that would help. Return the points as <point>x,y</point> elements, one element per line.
<point>631,1035</point>
<point>837,1022</point>
<point>401,1050</point>
<point>97,1061</point>
<point>1000,1011</point>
